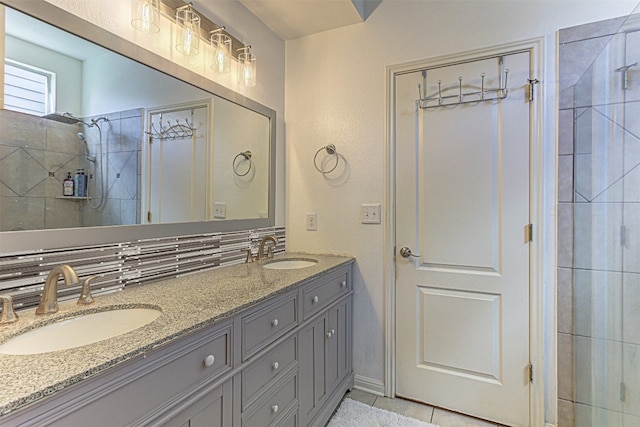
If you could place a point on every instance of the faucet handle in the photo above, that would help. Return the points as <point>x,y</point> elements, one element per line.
<point>8,315</point>
<point>85,293</point>
<point>249,255</point>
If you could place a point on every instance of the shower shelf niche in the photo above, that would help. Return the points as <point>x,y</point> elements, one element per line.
<point>73,198</point>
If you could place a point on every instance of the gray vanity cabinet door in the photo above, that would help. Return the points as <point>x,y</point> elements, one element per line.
<point>213,410</point>
<point>325,358</point>
<point>313,344</point>
<point>337,360</point>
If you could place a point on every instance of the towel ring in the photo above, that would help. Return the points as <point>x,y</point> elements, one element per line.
<point>331,150</point>
<point>246,155</point>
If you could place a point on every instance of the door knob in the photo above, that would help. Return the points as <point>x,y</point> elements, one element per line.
<point>405,252</point>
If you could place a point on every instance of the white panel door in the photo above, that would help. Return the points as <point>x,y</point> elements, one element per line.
<point>179,158</point>
<point>462,202</point>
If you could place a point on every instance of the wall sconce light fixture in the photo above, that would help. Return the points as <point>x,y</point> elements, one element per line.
<point>221,44</point>
<point>145,15</point>
<point>188,34</point>
<point>246,67</point>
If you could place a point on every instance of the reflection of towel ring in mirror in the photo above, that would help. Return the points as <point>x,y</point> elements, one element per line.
<point>246,155</point>
<point>331,150</point>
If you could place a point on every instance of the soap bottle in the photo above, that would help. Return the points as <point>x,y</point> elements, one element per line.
<point>80,183</point>
<point>67,185</point>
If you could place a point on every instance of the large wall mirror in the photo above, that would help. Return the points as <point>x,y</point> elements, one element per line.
<point>160,155</point>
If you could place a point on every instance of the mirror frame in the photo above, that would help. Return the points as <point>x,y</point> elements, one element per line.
<point>33,240</point>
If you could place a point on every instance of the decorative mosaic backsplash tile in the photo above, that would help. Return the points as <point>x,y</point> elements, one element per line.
<point>130,263</point>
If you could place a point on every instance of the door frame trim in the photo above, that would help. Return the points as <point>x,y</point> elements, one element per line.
<point>536,196</point>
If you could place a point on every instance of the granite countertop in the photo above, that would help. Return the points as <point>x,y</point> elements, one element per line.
<point>187,303</point>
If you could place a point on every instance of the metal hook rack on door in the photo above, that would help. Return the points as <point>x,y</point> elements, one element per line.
<point>484,94</point>
<point>177,130</point>
<point>330,150</point>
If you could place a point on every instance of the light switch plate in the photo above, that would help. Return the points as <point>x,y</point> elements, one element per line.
<point>371,213</point>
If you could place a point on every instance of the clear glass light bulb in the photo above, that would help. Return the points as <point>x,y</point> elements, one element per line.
<point>220,60</point>
<point>146,16</point>
<point>247,73</point>
<point>188,41</point>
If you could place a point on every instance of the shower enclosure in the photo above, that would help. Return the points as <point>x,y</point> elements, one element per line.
<point>606,234</point>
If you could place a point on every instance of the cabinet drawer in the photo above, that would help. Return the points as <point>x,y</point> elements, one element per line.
<point>141,389</point>
<point>290,421</point>
<point>318,295</point>
<point>274,406</point>
<point>268,367</point>
<point>268,324</point>
<point>210,359</point>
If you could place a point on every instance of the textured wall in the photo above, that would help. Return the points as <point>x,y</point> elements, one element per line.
<point>336,94</point>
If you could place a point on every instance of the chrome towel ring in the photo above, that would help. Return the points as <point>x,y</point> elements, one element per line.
<point>331,150</point>
<point>244,156</point>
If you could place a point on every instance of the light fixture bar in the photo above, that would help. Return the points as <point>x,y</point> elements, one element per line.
<point>168,8</point>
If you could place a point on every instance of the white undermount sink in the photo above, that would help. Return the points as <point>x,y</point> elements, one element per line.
<point>80,330</point>
<point>290,264</point>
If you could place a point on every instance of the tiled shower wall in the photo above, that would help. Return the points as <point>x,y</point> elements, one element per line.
<point>122,167</point>
<point>598,281</point>
<point>118,265</point>
<point>35,156</point>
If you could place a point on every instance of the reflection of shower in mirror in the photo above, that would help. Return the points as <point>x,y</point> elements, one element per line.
<point>94,159</point>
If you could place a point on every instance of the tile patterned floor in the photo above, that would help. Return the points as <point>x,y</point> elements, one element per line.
<point>427,413</point>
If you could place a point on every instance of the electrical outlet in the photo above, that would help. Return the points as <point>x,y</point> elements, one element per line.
<point>371,213</point>
<point>220,210</point>
<point>312,221</point>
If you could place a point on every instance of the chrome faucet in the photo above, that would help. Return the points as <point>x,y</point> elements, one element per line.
<point>49,302</point>
<point>8,315</point>
<point>263,242</point>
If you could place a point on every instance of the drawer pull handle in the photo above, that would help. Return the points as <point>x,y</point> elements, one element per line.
<point>315,299</point>
<point>209,360</point>
<point>275,365</point>
<point>275,408</point>
<point>343,284</point>
<point>274,322</point>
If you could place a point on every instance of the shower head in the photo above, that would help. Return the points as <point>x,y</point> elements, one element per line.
<point>82,138</point>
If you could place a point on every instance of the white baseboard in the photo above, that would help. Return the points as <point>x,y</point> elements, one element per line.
<point>550,425</point>
<point>369,385</point>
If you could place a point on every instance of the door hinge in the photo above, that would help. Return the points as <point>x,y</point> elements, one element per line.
<point>531,88</point>
<point>148,216</point>
<point>530,372</point>
<point>623,392</point>
<point>528,233</point>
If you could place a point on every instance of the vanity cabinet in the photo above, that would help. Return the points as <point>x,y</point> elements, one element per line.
<point>214,409</point>
<point>285,361</point>
<point>325,351</point>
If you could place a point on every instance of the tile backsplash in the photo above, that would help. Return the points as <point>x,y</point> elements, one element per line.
<point>118,265</point>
